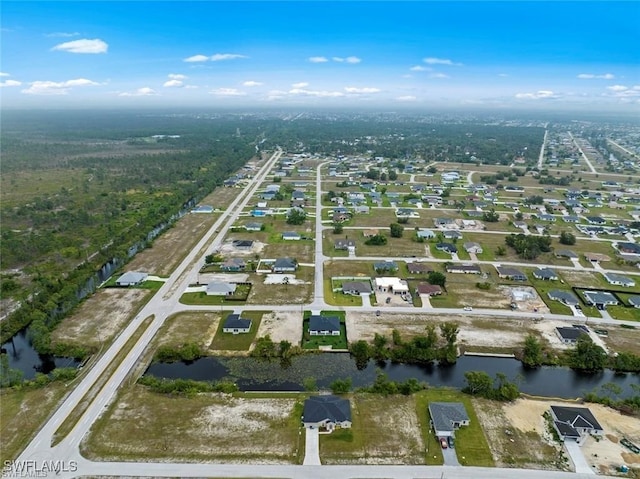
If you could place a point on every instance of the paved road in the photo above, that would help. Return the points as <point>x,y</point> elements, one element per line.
<point>542,148</point>
<point>584,157</point>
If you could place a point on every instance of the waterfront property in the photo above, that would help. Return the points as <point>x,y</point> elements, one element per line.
<point>131,278</point>
<point>600,299</point>
<point>234,324</point>
<point>575,423</point>
<point>220,288</point>
<point>327,412</point>
<point>570,335</point>
<point>565,297</point>
<point>320,325</point>
<point>446,417</point>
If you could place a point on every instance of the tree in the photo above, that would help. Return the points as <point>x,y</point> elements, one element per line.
<point>519,216</point>
<point>376,240</point>
<point>373,174</point>
<point>340,386</point>
<point>310,384</point>
<point>265,348</point>
<point>437,278</point>
<point>532,352</point>
<point>285,349</point>
<point>393,175</point>
<point>396,230</point>
<point>479,383</point>
<point>380,352</point>
<point>491,216</point>
<point>501,251</point>
<point>567,238</point>
<point>449,331</point>
<point>337,228</point>
<point>296,216</point>
<point>361,352</point>
<point>432,169</point>
<point>587,356</point>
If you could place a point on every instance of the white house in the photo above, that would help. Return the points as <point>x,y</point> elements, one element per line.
<point>575,423</point>
<point>131,278</point>
<point>234,324</point>
<point>389,284</point>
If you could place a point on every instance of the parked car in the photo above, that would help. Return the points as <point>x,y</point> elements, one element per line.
<point>443,442</point>
<point>450,442</point>
<point>468,308</point>
<point>388,300</point>
<point>377,312</point>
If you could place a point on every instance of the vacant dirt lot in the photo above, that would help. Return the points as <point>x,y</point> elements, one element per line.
<point>193,327</point>
<point>606,453</point>
<point>100,317</point>
<point>525,297</point>
<point>211,427</point>
<point>170,248</point>
<point>282,326</point>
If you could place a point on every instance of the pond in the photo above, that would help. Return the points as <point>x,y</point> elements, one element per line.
<point>22,356</point>
<point>256,375</point>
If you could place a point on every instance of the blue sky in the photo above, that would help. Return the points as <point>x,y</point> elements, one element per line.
<point>577,54</point>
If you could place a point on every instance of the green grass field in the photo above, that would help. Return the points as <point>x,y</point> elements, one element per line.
<point>237,342</point>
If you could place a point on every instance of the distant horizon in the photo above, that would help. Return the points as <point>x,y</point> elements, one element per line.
<point>405,56</point>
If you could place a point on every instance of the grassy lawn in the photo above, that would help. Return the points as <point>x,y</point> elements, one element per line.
<point>624,313</point>
<point>348,268</point>
<point>142,425</point>
<point>237,342</point>
<point>471,444</point>
<point>338,298</point>
<point>314,342</point>
<point>22,414</point>
<point>384,430</point>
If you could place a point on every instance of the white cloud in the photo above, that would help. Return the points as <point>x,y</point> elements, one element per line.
<point>227,92</point>
<point>62,34</point>
<point>3,74</point>
<point>360,91</point>
<point>177,76</point>
<point>225,56</point>
<point>419,68</point>
<point>56,88</point>
<point>276,95</point>
<point>10,83</point>
<point>352,60</point>
<point>318,59</point>
<point>316,93</point>
<point>196,58</point>
<point>406,98</point>
<point>617,88</point>
<point>250,83</point>
<point>83,46</point>
<point>440,61</point>
<point>173,84</point>
<point>438,75</point>
<point>539,95</point>
<point>301,84</point>
<point>144,91</point>
<point>590,76</point>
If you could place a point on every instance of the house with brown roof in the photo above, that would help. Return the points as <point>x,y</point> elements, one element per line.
<point>428,289</point>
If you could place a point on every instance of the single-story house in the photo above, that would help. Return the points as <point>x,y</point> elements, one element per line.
<point>630,248</point>
<point>447,248</point>
<point>386,266</point>
<point>569,334</point>
<point>472,247</point>
<point>425,233</point>
<point>253,227</point>
<point>131,278</point>
<point>571,219</point>
<point>324,325</point>
<point>233,264</point>
<point>600,299</point>
<point>566,253</point>
<point>291,236</point>
<point>428,289</point>
<point>369,233</point>
<point>443,222</point>
<point>546,217</point>
<point>203,209</point>
<point>546,274</point>
<point>619,279</point>
<point>391,284</point>
<point>452,234</point>
<point>446,417</point>
<point>234,324</point>
<point>284,265</point>
<point>326,411</point>
<point>357,288</point>
<point>242,244</point>
<point>575,423</point>
<point>464,268</point>
<point>344,244</point>
<point>511,273</point>
<point>634,301</point>
<point>220,288</point>
<point>596,220</point>
<point>418,268</point>
<point>564,297</point>
<point>340,217</point>
<point>596,257</point>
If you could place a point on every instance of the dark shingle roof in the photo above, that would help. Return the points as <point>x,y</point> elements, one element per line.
<point>444,413</point>
<point>324,323</point>
<point>320,408</point>
<point>576,417</point>
<point>234,321</point>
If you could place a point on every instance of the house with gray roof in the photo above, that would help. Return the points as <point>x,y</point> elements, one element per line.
<point>326,411</point>
<point>344,244</point>
<point>569,334</point>
<point>600,299</point>
<point>234,324</point>
<point>131,278</point>
<point>566,253</point>
<point>513,274</point>
<point>220,288</point>
<point>619,279</point>
<point>634,301</point>
<point>565,297</point>
<point>446,417</point>
<point>546,274</point>
<point>447,248</point>
<point>284,265</point>
<point>389,266</point>
<point>254,226</point>
<point>320,325</point>
<point>357,288</point>
<point>425,233</point>
<point>472,247</point>
<point>233,264</point>
<point>575,423</point>
<point>452,234</point>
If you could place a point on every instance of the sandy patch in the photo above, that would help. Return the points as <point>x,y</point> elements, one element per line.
<point>282,326</point>
<point>229,249</point>
<point>282,279</point>
<point>100,317</point>
<point>205,278</point>
<point>525,297</point>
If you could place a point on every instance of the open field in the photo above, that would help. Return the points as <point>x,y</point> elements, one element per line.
<point>101,317</point>
<point>385,430</point>
<point>22,414</point>
<point>623,339</point>
<point>170,248</point>
<point>282,326</point>
<point>526,415</point>
<point>208,427</point>
<point>298,293</point>
<point>182,328</point>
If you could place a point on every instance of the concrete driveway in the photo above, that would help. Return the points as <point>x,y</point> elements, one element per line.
<point>578,459</point>
<point>312,447</point>
<point>450,457</point>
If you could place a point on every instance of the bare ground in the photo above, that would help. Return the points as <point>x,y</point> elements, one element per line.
<point>606,453</point>
<point>189,327</point>
<point>100,317</point>
<point>170,248</point>
<point>282,326</point>
<point>209,427</point>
